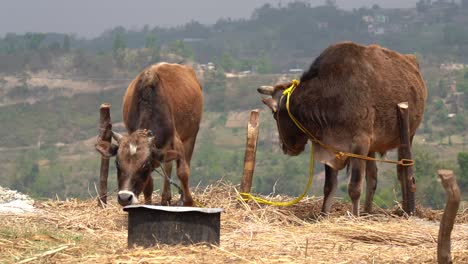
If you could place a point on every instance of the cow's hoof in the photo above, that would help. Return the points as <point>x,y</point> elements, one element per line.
<point>189,202</point>
<point>165,202</point>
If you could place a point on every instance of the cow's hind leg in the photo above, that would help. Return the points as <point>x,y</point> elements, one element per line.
<point>166,195</point>
<point>331,182</point>
<point>371,182</point>
<point>360,146</point>
<point>148,190</point>
<point>189,145</point>
<point>183,172</point>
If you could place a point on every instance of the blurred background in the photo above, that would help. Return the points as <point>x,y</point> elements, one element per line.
<point>60,60</point>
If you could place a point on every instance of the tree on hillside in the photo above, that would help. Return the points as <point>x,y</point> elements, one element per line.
<point>118,49</point>
<point>427,163</point>
<point>151,43</point>
<point>227,62</point>
<point>264,64</point>
<point>422,6</point>
<point>463,164</point>
<point>34,40</point>
<point>331,3</point>
<point>66,43</point>
<point>464,3</point>
<point>180,48</point>
<point>214,87</point>
<point>11,43</point>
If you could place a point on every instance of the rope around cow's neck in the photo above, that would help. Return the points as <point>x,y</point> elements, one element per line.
<point>338,154</point>
<point>247,196</point>
<point>181,192</point>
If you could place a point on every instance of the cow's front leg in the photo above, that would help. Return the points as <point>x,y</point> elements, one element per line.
<point>371,183</point>
<point>360,146</point>
<point>331,182</point>
<point>166,193</point>
<point>148,190</point>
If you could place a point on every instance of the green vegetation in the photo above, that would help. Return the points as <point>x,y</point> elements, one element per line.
<point>62,119</point>
<point>463,173</point>
<point>36,120</point>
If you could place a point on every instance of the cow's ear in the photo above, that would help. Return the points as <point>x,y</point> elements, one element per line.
<point>106,149</point>
<point>271,103</point>
<point>171,155</point>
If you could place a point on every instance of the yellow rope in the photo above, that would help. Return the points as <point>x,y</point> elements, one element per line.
<point>248,196</point>
<point>338,154</point>
<point>198,203</point>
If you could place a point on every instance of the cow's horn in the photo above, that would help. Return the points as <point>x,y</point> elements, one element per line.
<point>117,136</point>
<point>268,90</point>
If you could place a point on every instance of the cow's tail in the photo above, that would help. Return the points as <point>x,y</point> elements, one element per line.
<point>148,84</point>
<point>149,79</point>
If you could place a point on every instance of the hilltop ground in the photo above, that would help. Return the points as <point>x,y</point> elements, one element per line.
<point>76,231</point>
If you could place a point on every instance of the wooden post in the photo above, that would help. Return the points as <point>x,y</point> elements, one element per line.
<point>448,218</point>
<point>405,173</point>
<point>250,151</point>
<point>105,134</point>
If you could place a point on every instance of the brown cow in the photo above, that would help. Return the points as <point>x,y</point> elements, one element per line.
<point>348,100</point>
<point>162,109</point>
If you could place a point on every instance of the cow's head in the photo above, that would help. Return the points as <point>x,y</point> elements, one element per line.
<point>292,139</point>
<point>136,157</point>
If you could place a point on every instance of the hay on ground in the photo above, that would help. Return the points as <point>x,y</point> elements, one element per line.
<point>78,232</point>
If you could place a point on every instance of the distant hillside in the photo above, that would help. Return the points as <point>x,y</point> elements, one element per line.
<point>284,37</point>
<point>51,86</point>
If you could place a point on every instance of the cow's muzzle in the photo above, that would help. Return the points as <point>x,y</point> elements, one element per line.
<point>126,198</point>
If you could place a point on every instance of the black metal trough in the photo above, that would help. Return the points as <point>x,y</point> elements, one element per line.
<point>149,225</point>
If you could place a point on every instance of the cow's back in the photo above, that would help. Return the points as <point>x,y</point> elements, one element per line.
<point>184,94</point>
<point>178,87</point>
<point>358,88</point>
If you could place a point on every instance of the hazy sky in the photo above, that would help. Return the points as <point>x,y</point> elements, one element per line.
<point>89,18</point>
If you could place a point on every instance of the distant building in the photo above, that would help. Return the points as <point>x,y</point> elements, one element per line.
<point>451,66</point>
<point>295,70</point>
<point>368,19</point>
<point>322,25</point>
<point>210,66</point>
<point>192,39</point>
<point>376,23</point>
<point>381,19</point>
<point>376,30</point>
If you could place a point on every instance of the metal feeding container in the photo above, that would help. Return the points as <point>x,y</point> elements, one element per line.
<point>150,224</point>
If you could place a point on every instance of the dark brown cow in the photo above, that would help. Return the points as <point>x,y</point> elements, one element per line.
<point>348,100</point>
<point>162,109</point>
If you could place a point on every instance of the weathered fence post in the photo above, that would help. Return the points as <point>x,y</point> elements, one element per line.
<point>105,134</point>
<point>405,173</point>
<point>448,218</point>
<point>250,151</point>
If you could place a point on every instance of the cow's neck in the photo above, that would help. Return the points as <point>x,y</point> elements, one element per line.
<point>310,115</point>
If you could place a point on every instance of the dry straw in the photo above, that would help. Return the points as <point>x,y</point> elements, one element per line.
<point>78,232</point>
